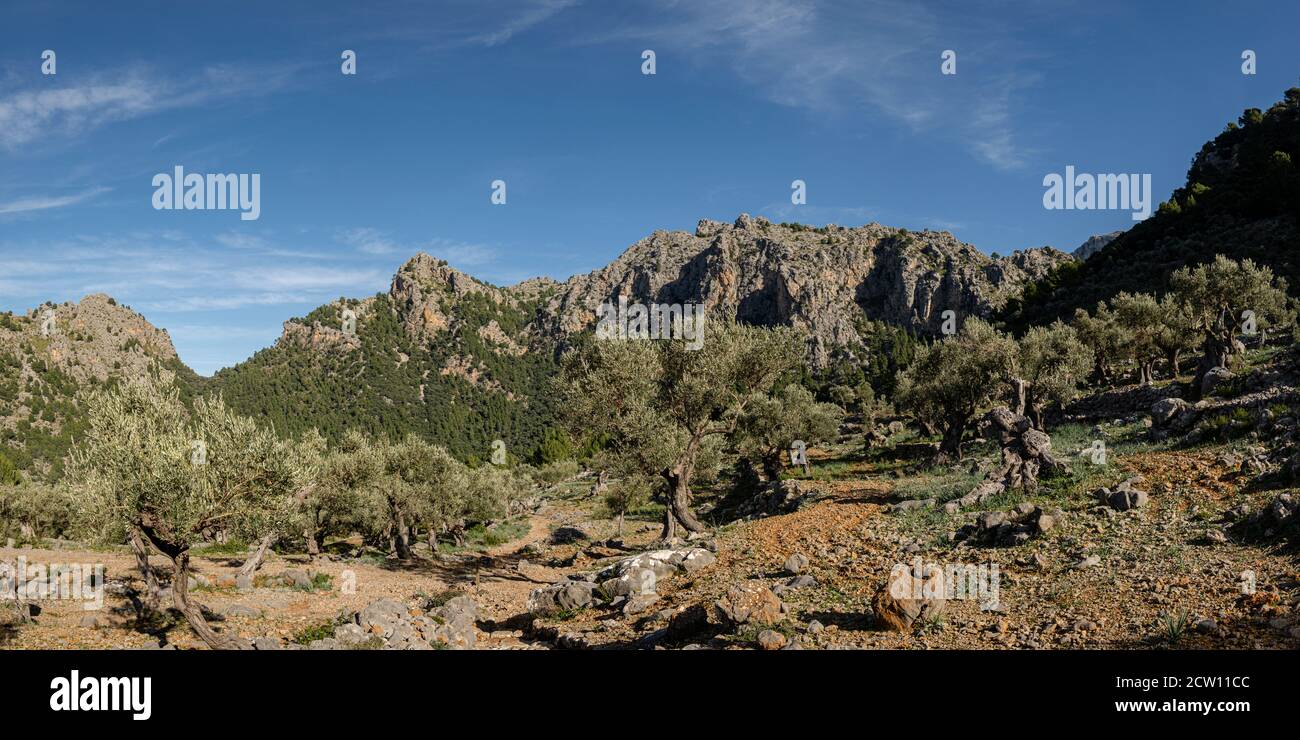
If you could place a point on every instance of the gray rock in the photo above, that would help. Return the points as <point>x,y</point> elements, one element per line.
<point>801,581</point>
<point>573,596</point>
<point>266,643</point>
<point>382,617</point>
<point>297,578</point>
<point>639,603</point>
<point>1123,498</point>
<point>1166,410</point>
<point>349,634</point>
<point>1214,377</point>
<point>239,610</point>
<point>796,563</point>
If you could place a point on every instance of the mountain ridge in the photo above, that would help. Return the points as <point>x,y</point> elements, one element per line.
<point>466,362</point>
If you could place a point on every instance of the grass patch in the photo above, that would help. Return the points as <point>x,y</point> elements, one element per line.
<point>940,484</point>
<point>479,537</point>
<point>440,598</point>
<point>231,546</point>
<point>319,582</point>
<point>319,631</point>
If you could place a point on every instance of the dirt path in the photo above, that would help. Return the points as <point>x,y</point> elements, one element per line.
<point>539,528</point>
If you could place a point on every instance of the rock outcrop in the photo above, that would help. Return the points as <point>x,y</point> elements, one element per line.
<point>1093,245</point>
<point>818,279</point>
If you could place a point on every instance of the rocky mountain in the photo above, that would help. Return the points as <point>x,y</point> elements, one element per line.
<point>440,354</point>
<point>51,353</point>
<point>826,280</point>
<point>466,363</point>
<point>1093,244</point>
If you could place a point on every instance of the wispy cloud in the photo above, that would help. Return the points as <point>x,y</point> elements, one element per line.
<point>460,254</point>
<point>71,110</point>
<point>837,58</point>
<point>168,272</point>
<point>842,215</point>
<point>46,202</point>
<point>370,241</point>
<point>534,13</point>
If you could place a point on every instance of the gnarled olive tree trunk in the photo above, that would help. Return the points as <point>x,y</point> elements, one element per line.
<point>193,615</point>
<point>257,556</point>
<point>180,557</point>
<point>152,591</point>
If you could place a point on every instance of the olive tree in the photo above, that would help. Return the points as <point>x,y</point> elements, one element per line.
<point>661,403</point>
<point>773,422</point>
<point>36,510</point>
<point>1217,296</point>
<point>422,484</point>
<point>1141,320</point>
<point>1102,334</point>
<point>150,469</point>
<point>626,494</point>
<point>1177,332</point>
<point>309,455</point>
<point>1051,365</point>
<point>950,381</point>
<point>334,504</point>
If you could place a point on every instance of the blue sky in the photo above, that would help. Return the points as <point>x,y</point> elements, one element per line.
<point>360,172</point>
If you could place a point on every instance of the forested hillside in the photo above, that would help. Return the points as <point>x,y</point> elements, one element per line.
<point>1241,199</point>
<point>453,389</point>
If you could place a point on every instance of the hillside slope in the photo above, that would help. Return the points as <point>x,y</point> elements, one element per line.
<point>1241,199</point>
<point>44,368</point>
<point>464,363</point>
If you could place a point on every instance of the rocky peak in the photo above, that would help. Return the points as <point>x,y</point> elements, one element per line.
<point>93,338</point>
<point>425,289</point>
<point>821,279</point>
<point>1094,244</point>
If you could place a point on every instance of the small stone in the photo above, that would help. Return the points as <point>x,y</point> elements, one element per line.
<point>239,610</point>
<point>795,563</point>
<point>1087,562</point>
<point>266,643</point>
<point>639,603</point>
<point>771,640</point>
<point>801,582</point>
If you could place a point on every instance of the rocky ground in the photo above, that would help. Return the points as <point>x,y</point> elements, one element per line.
<point>1182,538</point>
